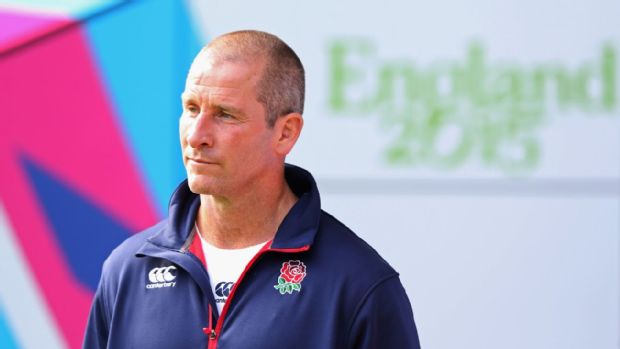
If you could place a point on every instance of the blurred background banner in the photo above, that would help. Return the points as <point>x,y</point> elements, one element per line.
<point>475,145</point>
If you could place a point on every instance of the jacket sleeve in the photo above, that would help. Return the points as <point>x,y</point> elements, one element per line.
<point>384,319</point>
<point>98,326</point>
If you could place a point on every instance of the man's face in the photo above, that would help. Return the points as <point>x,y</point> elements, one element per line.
<point>225,140</point>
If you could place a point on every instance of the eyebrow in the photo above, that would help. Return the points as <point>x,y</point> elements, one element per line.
<point>230,108</point>
<point>189,97</point>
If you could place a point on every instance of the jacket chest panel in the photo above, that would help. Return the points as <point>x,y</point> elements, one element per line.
<point>160,314</point>
<point>312,317</point>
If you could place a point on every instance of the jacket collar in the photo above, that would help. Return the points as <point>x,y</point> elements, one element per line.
<point>297,230</point>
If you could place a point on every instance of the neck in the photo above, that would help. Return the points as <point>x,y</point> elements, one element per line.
<point>247,219</point>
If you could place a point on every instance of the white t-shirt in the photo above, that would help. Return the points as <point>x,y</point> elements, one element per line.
<point>224,267</point>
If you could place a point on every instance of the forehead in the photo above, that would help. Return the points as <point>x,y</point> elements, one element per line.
<point>209,72</point>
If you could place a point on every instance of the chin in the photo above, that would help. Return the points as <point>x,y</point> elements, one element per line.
<point>200,185</point>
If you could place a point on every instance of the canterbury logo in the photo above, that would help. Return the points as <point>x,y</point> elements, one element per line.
<point>162,277</point>
<point>223,289</point>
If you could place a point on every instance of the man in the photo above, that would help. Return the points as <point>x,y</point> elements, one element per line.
<point>247,259</point>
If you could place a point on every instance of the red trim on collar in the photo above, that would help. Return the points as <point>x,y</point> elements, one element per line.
<point>196,248</point>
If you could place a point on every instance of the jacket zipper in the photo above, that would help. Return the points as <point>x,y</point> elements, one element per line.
<point>214,334</point>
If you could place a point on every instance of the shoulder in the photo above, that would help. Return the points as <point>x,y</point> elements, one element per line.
<point>349,255</point>
<point>123,256</point>
<point>333,234</point>
<point>379,311</point>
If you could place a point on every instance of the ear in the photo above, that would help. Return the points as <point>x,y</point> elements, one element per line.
<point>287,131</point>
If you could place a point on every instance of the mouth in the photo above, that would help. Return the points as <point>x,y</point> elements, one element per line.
<point>198,161</point>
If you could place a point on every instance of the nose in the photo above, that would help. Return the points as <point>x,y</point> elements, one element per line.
<point>200,131</point>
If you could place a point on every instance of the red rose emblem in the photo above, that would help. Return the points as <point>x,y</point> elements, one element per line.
<point>291,275</point>
<point>293,271</point>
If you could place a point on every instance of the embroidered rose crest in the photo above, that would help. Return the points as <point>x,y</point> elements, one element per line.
<point>291,275</point>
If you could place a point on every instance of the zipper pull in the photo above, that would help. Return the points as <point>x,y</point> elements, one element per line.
<point>209,332</point>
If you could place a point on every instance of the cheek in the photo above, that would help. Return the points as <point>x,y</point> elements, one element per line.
<point>253,154</point>
<point>243,143</point>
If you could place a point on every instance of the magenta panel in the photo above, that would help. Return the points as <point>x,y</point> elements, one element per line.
<point>17,28</point>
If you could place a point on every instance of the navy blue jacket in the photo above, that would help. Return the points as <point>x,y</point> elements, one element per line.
<point>155,293</point>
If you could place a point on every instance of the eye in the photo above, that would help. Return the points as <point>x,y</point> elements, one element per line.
<point>224,115</point>
<point>192,109</point>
